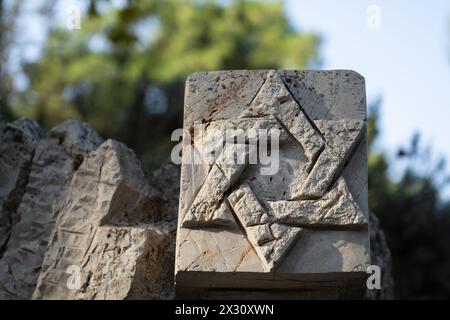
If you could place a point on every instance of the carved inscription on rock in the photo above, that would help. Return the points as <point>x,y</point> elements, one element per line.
<point>234,215</point>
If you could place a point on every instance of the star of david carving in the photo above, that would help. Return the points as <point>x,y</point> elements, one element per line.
<point>319,199</point>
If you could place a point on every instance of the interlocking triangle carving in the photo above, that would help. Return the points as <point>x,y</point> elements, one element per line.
<point>320,200</point>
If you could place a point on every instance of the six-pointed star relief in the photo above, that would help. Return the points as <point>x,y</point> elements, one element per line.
<point>320,199</point>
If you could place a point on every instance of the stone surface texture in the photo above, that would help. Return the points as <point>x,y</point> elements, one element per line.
<point>80,219</point>
<point>17,145</point>
<point>54,160</point>
<point>380,256</point>
<point>98,235</point>
<point>309,220</point>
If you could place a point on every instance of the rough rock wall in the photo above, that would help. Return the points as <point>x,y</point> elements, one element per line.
<point>108,230</point>
<point>380,256</point>
<point>80,219</point>
<point>54,159</point>
<point>17,145</point>
<point>73,206</point>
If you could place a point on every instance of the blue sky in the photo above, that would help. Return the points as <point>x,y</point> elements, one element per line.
<point>406,61</point>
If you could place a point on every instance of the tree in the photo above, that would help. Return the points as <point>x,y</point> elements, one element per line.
<point>415,220</point>
<point>8,15</point>
<point>124,70</point>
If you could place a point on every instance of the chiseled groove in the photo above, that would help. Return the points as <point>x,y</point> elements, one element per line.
<point>313,160</point>
<point>259,89</point>
<point>346,160</point>
<point>301,109</point>
<point>244,232</point>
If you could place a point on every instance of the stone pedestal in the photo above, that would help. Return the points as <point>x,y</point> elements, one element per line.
<point>288,223</point>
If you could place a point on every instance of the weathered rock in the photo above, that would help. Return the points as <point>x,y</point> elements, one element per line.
<point>208,198</point>
<point>247,207</point>
<point>107,243</point>
<point>17,144</point>
<point>380,255</point>
<point>341,138</point>
<point>273,99</point>
<point>335,208</point>
<point>280,214</point>
<point>215,94</point>
<point>77,138</point>
<point>30,127</point>
<point>54,161</point>
<point>167,180</point>
<point>114,226</point>
<point>270,241</point>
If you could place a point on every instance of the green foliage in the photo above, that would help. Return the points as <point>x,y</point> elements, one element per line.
<point>158,43</point>
<point>415,221</point>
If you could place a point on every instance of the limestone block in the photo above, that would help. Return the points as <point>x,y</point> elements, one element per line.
<point>108,242</point>
<point>306,225</point>
<point>54,161</point>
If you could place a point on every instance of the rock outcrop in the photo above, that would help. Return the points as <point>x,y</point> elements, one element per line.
<point>80,218</point>
<point>17,144</point>
<point>48,173</point>
<point>380,255</point>
<point>108,232</point>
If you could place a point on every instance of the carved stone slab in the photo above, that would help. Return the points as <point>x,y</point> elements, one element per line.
<point>299,215</point>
